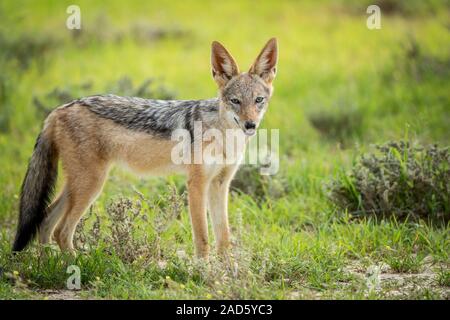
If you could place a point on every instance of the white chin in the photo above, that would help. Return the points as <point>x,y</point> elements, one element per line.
<point>250,132</point>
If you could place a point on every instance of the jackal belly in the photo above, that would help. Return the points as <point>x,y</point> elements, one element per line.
<point>145,154</point>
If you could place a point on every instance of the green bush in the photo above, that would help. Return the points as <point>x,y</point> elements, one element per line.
<point>420,65</point>
<point>343,124</point>
<point>26,47</point>
<point>261,188</point>
<point>406,8</point>
<point>398,179</point>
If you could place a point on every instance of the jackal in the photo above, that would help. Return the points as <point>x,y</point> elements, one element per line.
<point>90,134</point>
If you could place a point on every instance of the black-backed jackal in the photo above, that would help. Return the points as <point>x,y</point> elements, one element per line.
<point>90,134</point>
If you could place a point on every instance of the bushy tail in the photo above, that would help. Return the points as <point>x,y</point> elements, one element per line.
<point>37,190</point>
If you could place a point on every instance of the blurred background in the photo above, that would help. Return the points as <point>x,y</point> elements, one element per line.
<point>340,88</point>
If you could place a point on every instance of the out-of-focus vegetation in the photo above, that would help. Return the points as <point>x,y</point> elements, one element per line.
<point>341,88</point>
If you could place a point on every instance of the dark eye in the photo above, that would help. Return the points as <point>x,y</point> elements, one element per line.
<point>259,99</point>
<point>235,101</point>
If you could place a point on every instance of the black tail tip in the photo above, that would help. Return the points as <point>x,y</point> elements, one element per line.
<point>20,243</point>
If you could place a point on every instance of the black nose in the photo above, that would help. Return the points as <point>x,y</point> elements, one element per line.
<point>250,125</point>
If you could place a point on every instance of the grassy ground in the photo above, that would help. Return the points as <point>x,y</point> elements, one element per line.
<point>340,88</point>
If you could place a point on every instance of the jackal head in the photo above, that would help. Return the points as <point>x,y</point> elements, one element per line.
<point>244,96</point>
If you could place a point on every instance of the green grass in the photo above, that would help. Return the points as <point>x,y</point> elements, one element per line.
<point>289,244</point>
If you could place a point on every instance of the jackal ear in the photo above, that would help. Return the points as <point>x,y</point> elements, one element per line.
<point>265,64</point>
<point>222,63</point>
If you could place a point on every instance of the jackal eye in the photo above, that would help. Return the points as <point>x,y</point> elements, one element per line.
<point>235,101</point>
<point>259,99</point>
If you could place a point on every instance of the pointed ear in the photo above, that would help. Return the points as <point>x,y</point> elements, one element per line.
<point>223,65</point>
<point>265,65</point>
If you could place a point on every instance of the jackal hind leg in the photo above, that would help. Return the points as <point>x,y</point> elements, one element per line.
<point>84,186</point>
<point>54,213</point>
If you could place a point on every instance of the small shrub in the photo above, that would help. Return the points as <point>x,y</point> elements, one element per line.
<point>124,229</point>
<point>168,208</point>
<point>124,215</point>
<point>341,124</point>
<point>58,96</point>
<point>407,8</point>
<point>7,108</point>
<point>147,89</point>
<point>26,47</point>
<point>260,187</point>
<point>412,65</point>
<point>397,7</point>
<point>84,239</point>
<point>419,65</point>
<point>143,32</point>
<point>399,180</point>
<point>101,30</point>
<point>405,263</point>
<point>443,277</point>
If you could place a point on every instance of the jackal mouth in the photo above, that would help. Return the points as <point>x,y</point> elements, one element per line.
<point>249,132</point>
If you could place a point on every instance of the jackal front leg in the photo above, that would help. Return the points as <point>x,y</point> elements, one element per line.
<point>218,209</point>
<point>197,191</point>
